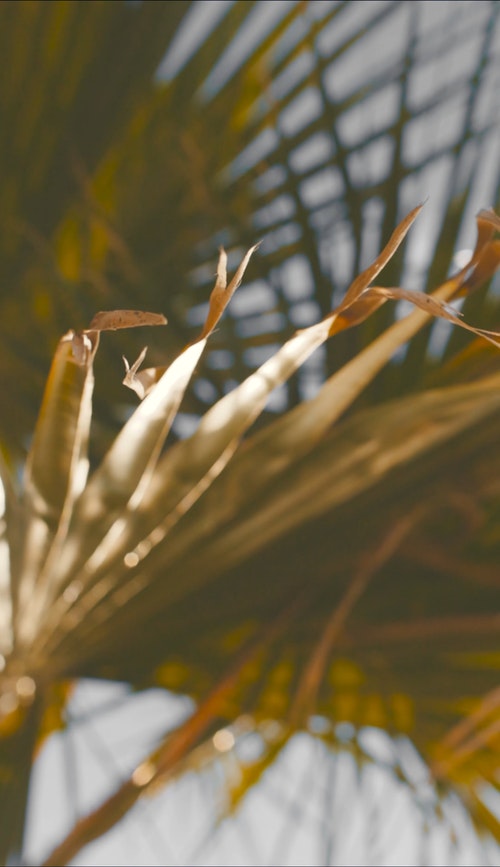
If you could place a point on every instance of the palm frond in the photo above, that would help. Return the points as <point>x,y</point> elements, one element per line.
<point>95,574</point>
<point>370,507</point>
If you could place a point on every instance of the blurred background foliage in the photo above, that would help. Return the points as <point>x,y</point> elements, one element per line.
<point>137,137</point>
<point>314,126</point>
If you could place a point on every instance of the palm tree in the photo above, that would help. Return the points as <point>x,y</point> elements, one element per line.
<point>343,553</point>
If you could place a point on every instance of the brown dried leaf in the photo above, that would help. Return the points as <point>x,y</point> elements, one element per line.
<point>112,320</point>
<point>361,301</point>
<point>435,308</point>
<point>482,266</point>
<point>485,222</point>
<point>366,277</point>
<point>142,382</point>
<point>221,293</point>
<point>485,258</point>
<point>357,312</point>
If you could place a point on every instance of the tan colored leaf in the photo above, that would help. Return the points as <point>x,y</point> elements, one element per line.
<point>366,277</point>
<point>435,308</point>
<point>221,293</point>
<point>485,258</point>
<point>6,588</point>
<point>141,382</point>
<point>112,320</point>
<point>361,301</point>
<point>357,312</point>
<point>56,467</point>
<point>485,263</point>
<point>127,466</point>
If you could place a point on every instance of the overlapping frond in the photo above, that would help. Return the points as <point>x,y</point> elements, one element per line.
<point>182,538</point>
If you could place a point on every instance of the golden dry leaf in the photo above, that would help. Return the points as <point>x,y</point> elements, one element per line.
<point>221,293</point>
<point>357,312</point>
<point>361,300</point>
<point>368,275</point>
<point>482,266</point>
<point>485,258</point>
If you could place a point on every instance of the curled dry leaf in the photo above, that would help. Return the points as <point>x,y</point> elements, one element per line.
<point>435,308</point>
<point>112,320</point>
<point>482,266</point>
<point>485,258</point>
<point>84,343</point>
<point>361,299</point>
<point>221,293</point>
<point>142,382</point>
<point>368,276</point>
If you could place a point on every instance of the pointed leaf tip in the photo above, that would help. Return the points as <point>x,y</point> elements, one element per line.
<point>368,275</point>
<point>221,293</point>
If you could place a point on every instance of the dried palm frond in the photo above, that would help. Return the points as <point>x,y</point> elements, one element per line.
<point>96,568</point>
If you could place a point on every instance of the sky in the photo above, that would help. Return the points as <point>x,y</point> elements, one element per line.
<point>310,806</point>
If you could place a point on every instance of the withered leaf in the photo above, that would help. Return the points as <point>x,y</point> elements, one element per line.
<point>361,300</point>
<point>435,307</point>
<point>141,382</point>
<point>112,320</point>
<point>357,312</point>
<point>221,293</point>
<point>482,266</point>
<point>366,277</point>
<point>485,258</point>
